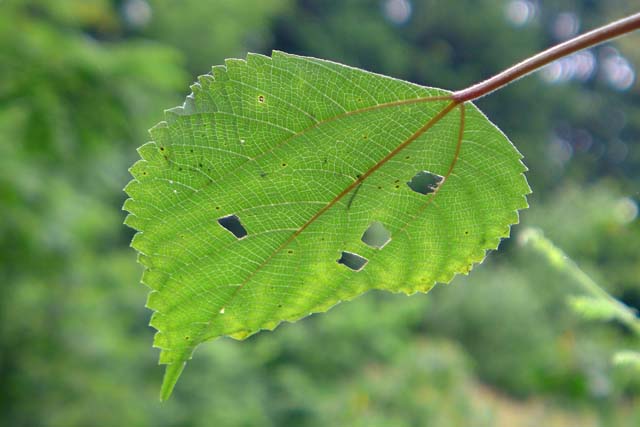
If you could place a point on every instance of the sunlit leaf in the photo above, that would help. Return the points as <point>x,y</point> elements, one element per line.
<point>285,185</point>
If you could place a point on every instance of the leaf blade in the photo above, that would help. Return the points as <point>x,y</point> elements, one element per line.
<point>280,142</point>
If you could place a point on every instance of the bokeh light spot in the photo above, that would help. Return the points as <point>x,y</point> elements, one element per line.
<point>520,12</point>
<point>626,210</point>
<point>397,11</point>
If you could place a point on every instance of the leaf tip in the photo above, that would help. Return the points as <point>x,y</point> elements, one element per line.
<point>171,375</point>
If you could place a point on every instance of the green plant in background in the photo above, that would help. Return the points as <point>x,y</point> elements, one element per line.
<point>597,304</point>
<point>284,185</point>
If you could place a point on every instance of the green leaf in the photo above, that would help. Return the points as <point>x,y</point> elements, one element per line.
<point>627,358</point>
<point>285,185</point>
<point>593,308</point>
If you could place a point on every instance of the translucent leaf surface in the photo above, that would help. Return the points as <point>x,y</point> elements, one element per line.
<point>253,199</point>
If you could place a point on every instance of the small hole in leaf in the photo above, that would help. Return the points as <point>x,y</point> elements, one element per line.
<point>353,261</point>
<point>232,224</point>
<point>425,182</point>
<point>261,98</point>
<point>376,235</point>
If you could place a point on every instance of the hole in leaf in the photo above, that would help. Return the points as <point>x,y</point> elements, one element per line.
<point>425,182</point>
<point>232,224</point>
<point>353,261</point>
<point>376,235</point>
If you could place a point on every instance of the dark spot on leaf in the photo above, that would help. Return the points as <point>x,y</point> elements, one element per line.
<point>365,136</point>
<point>191,150</point>
<point>161,148</point>
<point>425,182</point>
<point>261,98</point>
<point>376,235</point>
<point>200,165</point>
<point>232,224</point>
<point>187,338</point>
<point>466,232</point>
<point>284,165</point>
<point>263,175</point>
<point>353,261</point>
<point>290,251</point>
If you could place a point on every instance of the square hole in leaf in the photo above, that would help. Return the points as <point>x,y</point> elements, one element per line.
<point>232,224</point>
<point>376,235</point>
<point>353,261</point>
<point>425,182</point>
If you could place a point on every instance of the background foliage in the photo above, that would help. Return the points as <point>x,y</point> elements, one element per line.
<point>82,80</point>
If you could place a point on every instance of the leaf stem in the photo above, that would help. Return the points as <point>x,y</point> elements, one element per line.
<point>534,63</point>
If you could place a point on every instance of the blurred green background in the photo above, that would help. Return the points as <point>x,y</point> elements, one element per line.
<point>82,80</point>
